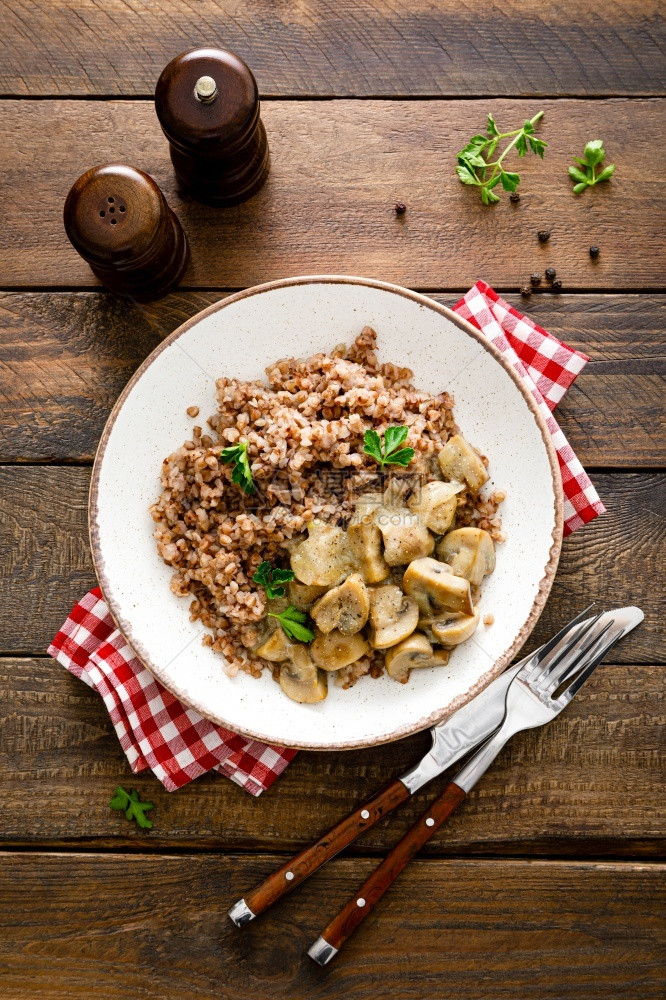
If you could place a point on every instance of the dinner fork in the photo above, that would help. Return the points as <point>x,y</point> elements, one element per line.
<point>537,694</point>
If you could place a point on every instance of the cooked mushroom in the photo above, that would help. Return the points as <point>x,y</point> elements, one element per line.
<point>392,616</point>
<point>405,535</point>
<point>470,553</point>
<point>436,504</point>
<point>345,607</point>
<point>302,596</point>
<point>459,461</point>
<point>323,558</point>
<point>276,648</point>
<point>413,653</point>
<point>335,650</point>
<point>435,588</point>
<point>301,680</point>
<point>450,629</point>
<point>365,540</point>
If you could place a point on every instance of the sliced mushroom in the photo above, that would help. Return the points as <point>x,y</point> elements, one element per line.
<point>449,629</point>
<point>470,553</point>
<point>345,607</point>
<point>276,648</point>
<point>405,535</point>
<point>302,681</point>
<point>459,461</point>
<point>302,596</point>
<point>392,616</point>
<point>365,540</point>
<point>435,588</point>
<point>335,650</point>
<point>436,504</point>
<point>323,558</point>
<point>412,654</point>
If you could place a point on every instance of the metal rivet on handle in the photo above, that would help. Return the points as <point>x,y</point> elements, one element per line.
<point>365,814</point>
<point>289,876</point>
<point>430,821</point>
<point>360,901</point>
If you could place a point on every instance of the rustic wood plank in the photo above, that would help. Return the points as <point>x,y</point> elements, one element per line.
<point>114,926</point>
<point>325,48</point>
<point>552,791</point>
<point>65,356</point>
<point>338,168</point>
<point>45,563</point>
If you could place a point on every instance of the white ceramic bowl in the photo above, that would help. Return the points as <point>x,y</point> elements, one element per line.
<point>239,336</point>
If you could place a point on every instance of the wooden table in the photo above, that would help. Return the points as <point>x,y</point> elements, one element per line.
<point>547,884</point>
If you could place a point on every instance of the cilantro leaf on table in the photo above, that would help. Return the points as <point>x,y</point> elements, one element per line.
<point>292,622</point>
<point>587,176</point>
<point>390,452</point>
<point>272,579</point>
<point>242,473</point>
<point>476,166</point>
<point>132,806</point>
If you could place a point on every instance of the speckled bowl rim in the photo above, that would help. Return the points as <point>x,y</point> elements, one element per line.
<point>545,583</point>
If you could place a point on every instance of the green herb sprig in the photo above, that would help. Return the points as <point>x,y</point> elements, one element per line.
<point>272,579</point>
<point>587,176</point>
<point>390,452</point>
<point>292,622</point>
<point>132,806</point>
<point>242,473</point>
<point>477,167</point>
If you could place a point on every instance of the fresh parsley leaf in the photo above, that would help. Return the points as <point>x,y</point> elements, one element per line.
<point>292,622</point>
<point>390,452</point>
<point>241,473</point>
<point>477,167</point>
<point>272,579</point>
<point>133,807</point>
<point>587,177</point>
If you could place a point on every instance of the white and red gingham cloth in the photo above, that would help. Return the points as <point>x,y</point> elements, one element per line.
<point>157,731</point>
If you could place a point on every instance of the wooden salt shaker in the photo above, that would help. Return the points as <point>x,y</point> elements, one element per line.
<point>207,103</point>
<point>117,218</point>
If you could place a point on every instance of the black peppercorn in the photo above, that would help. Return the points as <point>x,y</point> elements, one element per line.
<point>544,235</point>
<point>514,197</point>
<point>400,208</point>
<point>594,252</point>
<point>526,291</point>
<point>551,273</point>
<point>535,279</point>
<point>557,285</point>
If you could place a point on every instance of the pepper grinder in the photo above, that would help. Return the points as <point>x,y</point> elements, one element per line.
<point>207,103</point>
<point>117,218</point>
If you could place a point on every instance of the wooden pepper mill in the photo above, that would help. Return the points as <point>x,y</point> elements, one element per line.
<point>117,218</point>
<point>207,103</point>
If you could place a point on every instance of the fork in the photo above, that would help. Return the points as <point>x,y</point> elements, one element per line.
<point>538,693</point>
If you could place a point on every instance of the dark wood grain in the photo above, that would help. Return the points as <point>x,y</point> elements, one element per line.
<point>552,791</point>
<point>323,48</point>
<point>296,870</point>
<point>363,901</point>
<point>45,564</point>
<point>65,356</point>
<point>328,205</point>
<point>113,926</point>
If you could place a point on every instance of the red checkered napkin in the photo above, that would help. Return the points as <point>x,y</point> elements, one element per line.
<point>155,730</point>
<point>547,367</point>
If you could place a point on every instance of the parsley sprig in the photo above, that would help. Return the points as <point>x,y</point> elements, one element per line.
<point>242,473</point>
<point>292,621</point>
<point>390,452</point>
<point>477,167</point>
<point>132,806</point>
<point>588,176</point>
<point>272,579</point>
